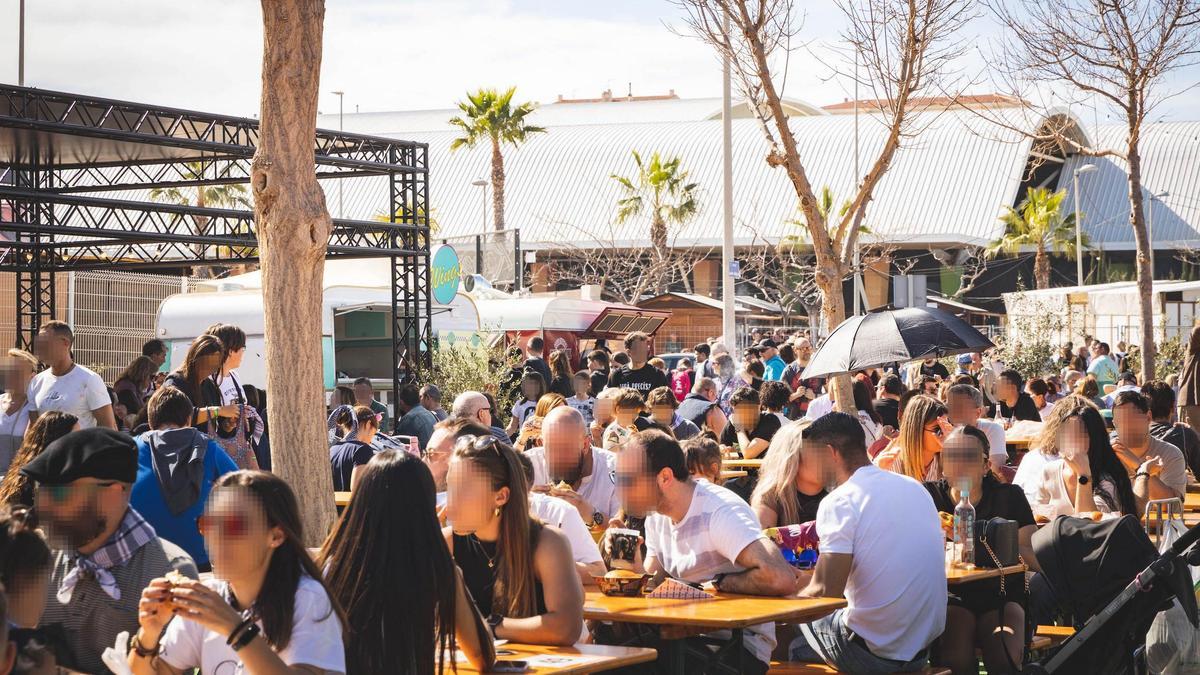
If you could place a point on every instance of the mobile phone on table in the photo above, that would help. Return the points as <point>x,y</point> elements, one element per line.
<point>510,667</point>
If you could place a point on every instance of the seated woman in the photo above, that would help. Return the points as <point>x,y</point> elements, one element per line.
<point>1090,480</point>
<point>978,609</point>
<point>915,451</point>
<point>519,571</point>
<point>1044,448</point>
<point>405,600</point>
<point>788,491</point>
<point>359,424</point>
<point>265,611</point>
<point>703,458</point>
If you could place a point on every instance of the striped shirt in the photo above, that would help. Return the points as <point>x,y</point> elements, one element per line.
<point>92,620</point>
<point>718,526</point>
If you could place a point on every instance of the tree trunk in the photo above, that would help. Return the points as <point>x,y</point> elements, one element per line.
<point>293,230</point>
<point>658,240</point>
<point>1145,275</point>
<point>497,186</point>
<point>1041,268</point>
<point>829,275</point>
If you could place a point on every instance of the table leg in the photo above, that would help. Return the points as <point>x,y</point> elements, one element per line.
<point>678,657</point>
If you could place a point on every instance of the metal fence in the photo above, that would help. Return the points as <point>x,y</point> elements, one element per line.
<point>494,255</point>
<point>112,313</point>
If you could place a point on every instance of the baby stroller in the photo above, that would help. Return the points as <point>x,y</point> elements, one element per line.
<point>1109,571</point>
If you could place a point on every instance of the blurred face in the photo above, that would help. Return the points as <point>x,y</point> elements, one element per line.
<point>626,416</point>
<point>234,360</point>
<point>363,394</point>
<point>745,415</point>
<point>583,387</point>
<point>1133,425</point>
<point>1072,439</point>
<point>209,363</point>
<point>639,350</point>
<point>638,490</point>
<point>50,348</point>
<point>604,411</point>
<point>159,358</point>
<point>962,409</point>
<point>935,433</point>
<point>530,390</point>
<point>976,359</point>
<point>963,459</point>
<point>237,536</point>
<point>437,456</point>
<point>27,598</point>
<point>663,414</point>
<point>16,373</point>
<point>819,461</point>
<point>565,445</point>
<point>1006,390</point>
<point>471,502</point>
<point>75,514</point>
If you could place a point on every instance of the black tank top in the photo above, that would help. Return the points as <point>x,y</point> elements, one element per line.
<point>473,557</point>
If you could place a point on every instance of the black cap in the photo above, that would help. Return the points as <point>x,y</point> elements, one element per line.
<point>767,342</point>
<point>92,453</point>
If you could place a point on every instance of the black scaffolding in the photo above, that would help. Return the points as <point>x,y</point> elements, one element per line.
<point>75,176</point>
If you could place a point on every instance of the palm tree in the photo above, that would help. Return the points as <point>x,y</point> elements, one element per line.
<point>660,188</point>
<point>491,115</point>
<point>1037,221</point>
<point>218,196</point>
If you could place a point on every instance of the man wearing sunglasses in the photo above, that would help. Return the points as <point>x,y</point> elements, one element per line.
<point>104,552</point>
<point>475,406</point>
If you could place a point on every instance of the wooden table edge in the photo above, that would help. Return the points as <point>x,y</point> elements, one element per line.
<point>826,606</point>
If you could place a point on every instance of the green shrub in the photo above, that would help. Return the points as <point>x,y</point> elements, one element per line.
<point>474,367</point>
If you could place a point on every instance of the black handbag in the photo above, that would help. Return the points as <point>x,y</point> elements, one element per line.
<point>997,543</point>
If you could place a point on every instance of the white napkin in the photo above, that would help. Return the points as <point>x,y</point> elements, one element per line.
<point>116,657</point>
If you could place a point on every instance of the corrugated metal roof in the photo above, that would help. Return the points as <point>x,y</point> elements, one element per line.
<point>1170,163</point>
<point>616,111</point>
<point>948,186</point>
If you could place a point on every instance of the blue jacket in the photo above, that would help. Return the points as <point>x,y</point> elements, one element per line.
<point>147,498</point>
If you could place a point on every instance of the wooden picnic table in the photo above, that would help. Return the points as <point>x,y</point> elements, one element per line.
<point>741,463</point>
<point>1191,502</point>
<point>573,660</point>
<point>723,611</point>
<point>957,575</point>
<point>726,475</point>
<point>341,498</point>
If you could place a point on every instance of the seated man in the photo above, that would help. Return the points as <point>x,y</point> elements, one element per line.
<point>567,456</point>
<point>965,407</point>
<point>749,429</point>
<point>1156,468</point>
<point>882,548</point>
<point>105,552</point>
<point>560,514</point>
<point>441,446</point>
<point>1165,428</point>
<point>698,532</point>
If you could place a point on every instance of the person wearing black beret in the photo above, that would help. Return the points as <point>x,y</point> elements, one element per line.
<point>104,552</point>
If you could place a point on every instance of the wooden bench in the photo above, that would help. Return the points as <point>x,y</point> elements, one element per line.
<point>800,668</point>
<point>1055,634</point>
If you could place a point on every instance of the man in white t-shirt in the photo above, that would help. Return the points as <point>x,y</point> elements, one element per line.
<point>67,386</point>
<point>965,407</point>
<point>567,455</point>
<point>698,532</point>
<point>882,548</point>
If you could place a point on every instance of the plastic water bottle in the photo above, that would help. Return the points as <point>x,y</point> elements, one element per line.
<point>964,532</point>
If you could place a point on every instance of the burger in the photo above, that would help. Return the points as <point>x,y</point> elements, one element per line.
<point>176,579</point>
<point>562,485</point>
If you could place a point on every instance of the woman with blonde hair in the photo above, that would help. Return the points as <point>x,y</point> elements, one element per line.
<point>1089,389</point>
<point>916,449</point>
<point>15,406</point>
<point>788,491</point>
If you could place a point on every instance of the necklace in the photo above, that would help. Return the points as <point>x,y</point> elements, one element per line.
<point>479,544</point>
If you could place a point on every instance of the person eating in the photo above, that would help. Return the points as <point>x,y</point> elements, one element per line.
<point>567,466</point>
<point>699,532</point>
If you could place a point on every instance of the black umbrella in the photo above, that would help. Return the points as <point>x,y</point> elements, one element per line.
<point>894,336</point>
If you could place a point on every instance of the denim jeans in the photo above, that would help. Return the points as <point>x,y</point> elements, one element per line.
<point>828,640</point>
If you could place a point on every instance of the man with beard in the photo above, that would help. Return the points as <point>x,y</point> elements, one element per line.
<point>567,456</point>
<point>104,553</point>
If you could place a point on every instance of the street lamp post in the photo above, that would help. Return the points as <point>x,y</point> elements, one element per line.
<point>1150,228</point>
<point>341,127</point>
<point>479,182</point>
<point>1086,168</point>
<point>21,45</point>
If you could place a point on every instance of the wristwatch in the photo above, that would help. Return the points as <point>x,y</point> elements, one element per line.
<point>1083,480</point>
<point>494,622</point>
<point>716,581</point>
<point>597,518</point>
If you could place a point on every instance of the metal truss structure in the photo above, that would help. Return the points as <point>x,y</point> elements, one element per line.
<point>75,177</point>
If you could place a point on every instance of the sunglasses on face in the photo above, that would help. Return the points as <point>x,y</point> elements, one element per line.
<point>231,525</point>
<point>61,493</point>
<point>936,430</point>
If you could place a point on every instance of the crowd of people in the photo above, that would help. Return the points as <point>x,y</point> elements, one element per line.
<point>149,508</point>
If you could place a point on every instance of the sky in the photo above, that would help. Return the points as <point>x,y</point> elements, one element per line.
<point>415,54</point>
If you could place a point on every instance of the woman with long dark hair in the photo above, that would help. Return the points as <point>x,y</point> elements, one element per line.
<point>266,610</point>
<point>1090,479</point>
<point>134,384</point>
<point>406,603</point>
<point>560,372</point>
<point>359,425</point>
<point>520,572</point>
<point>194,378</point>
<point>868,417</point>
<point>16,488</point>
